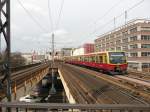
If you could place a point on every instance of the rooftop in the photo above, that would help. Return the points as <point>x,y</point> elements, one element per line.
<point>129,23</point>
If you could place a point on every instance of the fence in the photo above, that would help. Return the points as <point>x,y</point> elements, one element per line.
<point>50,107</point>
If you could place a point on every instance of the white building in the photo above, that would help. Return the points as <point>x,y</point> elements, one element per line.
<point>28,57</point>
<point>78,51</point>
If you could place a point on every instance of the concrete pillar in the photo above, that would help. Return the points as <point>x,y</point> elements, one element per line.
<point>138,37</point>
<point>128,39</point>
<point>139,54</point>
<point>15,91</point>
<point>31,82</point>
<point>140,66</point>
<point>139,45</point>
<point>138,28</point>
<point>25,87</point>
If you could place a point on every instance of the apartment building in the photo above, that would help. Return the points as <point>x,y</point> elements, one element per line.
<point>134,38</point>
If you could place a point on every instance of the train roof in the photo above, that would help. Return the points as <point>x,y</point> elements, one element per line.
<point>97,53</point>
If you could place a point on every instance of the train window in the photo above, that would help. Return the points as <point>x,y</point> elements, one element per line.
<point>86,59</point>
<point>93,58</point>
<point>97,59</point>
<point>100,59</point>
<point>104,59</point>
<point>90,59</point>
<point>79,58</point>
<point>82,58</point>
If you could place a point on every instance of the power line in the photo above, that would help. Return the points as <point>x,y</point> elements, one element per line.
<point>50,16</point>
<point>129,9</point>
<point>60,13</point>
<point>32,17</point>
<point>107,12</point>
<point>112,20</point>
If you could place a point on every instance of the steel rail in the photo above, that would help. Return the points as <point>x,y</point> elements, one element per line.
<point>84,83</point>
<point>20,77</point>
<point>109,96</point>
<point>115,82</point>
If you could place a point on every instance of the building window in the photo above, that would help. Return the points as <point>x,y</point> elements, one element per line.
<point>124,47</point>
<point>100,45</point>
<point>125,33</point>
<point>112,49</point>
<point>107,38</point>
<point>134,38</point>
<point>133,54</point>
<point>133,46</point>
<point>133,30</point>
<point>118,41</point>
<point>145,28</point>
<point>145,37</point>
<point>125,40</point>
<point>147,54</point>
<point>145,46</point>
<point>107,44</point>
<point>103,40</point>
<point>111,43</point>
<point>107,49</point>
<point>145,65</point>
<point>103,45</point>
<point>118,48</point>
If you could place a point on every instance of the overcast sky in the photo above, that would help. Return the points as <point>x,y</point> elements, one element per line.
<point>78,21</point>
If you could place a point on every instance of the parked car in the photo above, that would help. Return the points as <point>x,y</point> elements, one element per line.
<point>30,98</point>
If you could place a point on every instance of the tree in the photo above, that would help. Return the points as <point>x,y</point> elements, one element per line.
<point>17,59</point>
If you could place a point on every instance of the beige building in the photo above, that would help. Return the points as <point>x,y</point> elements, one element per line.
<point>134,38</point>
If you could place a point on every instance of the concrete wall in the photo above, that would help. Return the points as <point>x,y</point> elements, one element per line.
<point>68,94</point>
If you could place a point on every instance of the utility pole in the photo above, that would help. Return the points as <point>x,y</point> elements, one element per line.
<point>5,31</point>
<point>125,17</point>
<point>53,90</point>
<point>0,45</point>
<point>114,22</point>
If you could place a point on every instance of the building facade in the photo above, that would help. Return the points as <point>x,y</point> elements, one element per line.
<point>134,38</point>
<point>66,51</point>
<point>84,49</point>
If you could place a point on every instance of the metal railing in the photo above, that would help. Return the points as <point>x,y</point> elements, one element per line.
<point>60,107</point>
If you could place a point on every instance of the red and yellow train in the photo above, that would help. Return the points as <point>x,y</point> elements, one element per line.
<point>110,62</point>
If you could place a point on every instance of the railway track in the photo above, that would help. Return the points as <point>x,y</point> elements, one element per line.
<point>92,89</point>
<point>18,78</point>
<point>139,75</point>
<point>138,88</point>
<point>137,82</point>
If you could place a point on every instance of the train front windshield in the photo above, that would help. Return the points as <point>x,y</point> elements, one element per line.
<point>117,57</point>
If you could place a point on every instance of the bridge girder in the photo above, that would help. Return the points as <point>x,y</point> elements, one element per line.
<point>5,33</point>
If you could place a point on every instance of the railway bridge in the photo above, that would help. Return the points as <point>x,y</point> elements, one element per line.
<point>85,89</point>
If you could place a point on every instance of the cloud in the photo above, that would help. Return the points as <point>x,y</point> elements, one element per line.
<point>34,8</point>
<point>60,32</point>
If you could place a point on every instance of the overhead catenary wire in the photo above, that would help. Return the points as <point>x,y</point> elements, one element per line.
<point>112,20</point>
<point>60,14</point>
<point>32,17</point>
<point>50,16</point>
<point>107,12</point>
<point>127,10</point>
<point>55,26</point>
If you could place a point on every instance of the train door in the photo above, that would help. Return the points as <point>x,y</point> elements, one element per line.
<point>100,59</point>
<point>97,58</point>
<point>104,58</point>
